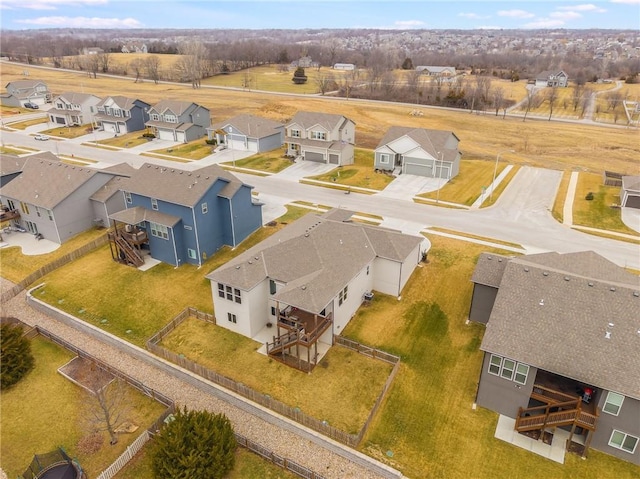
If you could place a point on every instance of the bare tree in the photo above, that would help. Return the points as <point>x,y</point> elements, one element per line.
<point>104,59</point>
<point>137,65</point>
<point>190,64</point>
<point>325,82</point>
<point>578,91</point>
<point>107,407</point>
<point>152,67</point>
<point>91,64</point>
<point>497,98</point>
<point>552,97</point>
<point>414,83</point>
<point>388,84</point>
<point>530,101</point>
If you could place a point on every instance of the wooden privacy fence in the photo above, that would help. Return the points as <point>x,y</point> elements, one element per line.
<point>265,400</point>
<point>49,267</point>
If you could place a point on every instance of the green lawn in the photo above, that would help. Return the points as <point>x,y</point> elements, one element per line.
<point>427,423</point>
<point>360,173</point>
<point>135,304</point>
<point>7,150</point>
<point>271,161</point>
<point>69,132</point>
<point>46,410</point>
<point>24,124</point>
<point>598,212</point>
<point>194,150</point>
<point>341,389</point>
<point>129,140</point>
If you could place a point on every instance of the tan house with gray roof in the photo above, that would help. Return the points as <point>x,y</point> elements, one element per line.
<point>419,151</point>
<point>72,109</point>
<point>309,279</point>
<point>21,92</point>
<point>321,137</point>
<point>562,347</point>
<point>179,121</point>
<point>248,133</point>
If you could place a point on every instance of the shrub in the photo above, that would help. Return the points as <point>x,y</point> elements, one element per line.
<point>299,76</point>
<point>211,142</point>
<point>148,135</point>
<point>589,196</point>
<point>16,359</point>
<point>195,444</point>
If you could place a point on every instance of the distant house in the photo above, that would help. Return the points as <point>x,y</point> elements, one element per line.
<point>121,115</point>
<point>134,48</point>
<point>321,137</point>
<point>92,50</point>
<point>344,66</point>
<point>52,198</point>
<point>304,62</point>
<point>418,151</point>
<point>248,133</point>
<point>181,216</point>
<point>552,78</point>
<point>309,279</point>
<point>436,71</point>
<point>561,347</point>
<point>180,121</point>
<point>630,192</point>
<point>20,92</point>
<point>73,109</point>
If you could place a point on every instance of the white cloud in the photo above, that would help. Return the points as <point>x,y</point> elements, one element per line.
<point>515,14</point>
<point>83,22</point>
<point>629,2</point>
<point>585,7</point>
<point>545,23</point>
<point>474,16</point>
<point>49,4</point>
<point>565,15</point>
<point>408,24</point>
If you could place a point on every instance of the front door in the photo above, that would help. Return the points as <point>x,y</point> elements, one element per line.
<point>31,227</point>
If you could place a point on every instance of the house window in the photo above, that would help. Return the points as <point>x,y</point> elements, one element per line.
<point>127,197</point>
<point>613,403</point>
<point>622,440</point>
<point>50,214</point>
<point>117,112</point>
<point>38,211</point>
<point>155,117</point>
<point>171,119</point>
<point>191,253</point>
<point>318,135</point>
<point>205,208</point>
<point>295,133</point>
<point>508,369</point>
<point>24,207</point>
<point>230,293</point>
<point>154,204</point>
<point>368,270</point>
<point>159,231</point>
<point>232,318</point>
<point>384,158</point>
<point>342,296</point>
<point>11,205</point>
<point>273,310</point>
<point>272,287</point>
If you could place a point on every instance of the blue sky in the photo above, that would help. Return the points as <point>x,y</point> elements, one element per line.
<point>293,14</point>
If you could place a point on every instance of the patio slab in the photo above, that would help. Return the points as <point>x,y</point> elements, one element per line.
<point>28,243</point>
<point>505,431</point>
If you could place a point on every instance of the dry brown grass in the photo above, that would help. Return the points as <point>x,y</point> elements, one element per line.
<point>538,143</point>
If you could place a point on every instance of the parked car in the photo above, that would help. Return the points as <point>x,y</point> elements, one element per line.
<point>32,106</point>
<point>41,137</point>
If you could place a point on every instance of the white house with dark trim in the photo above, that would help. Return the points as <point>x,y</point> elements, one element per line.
<point>418,151</point>
<point>322,137</point>
<point>309,279</point>
<point>552,78</point>
<point>73,109</point>
<point>562,347</point>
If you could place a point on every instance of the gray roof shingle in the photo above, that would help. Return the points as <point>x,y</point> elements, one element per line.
<point>553,312</point>
<point>250,125</point>
<point>433,142</point>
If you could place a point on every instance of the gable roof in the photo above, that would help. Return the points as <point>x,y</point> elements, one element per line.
<point>315,258</point>
<point>45,182</point>
<point>11,164</point>
<point>177,186</point>
<point>553,311</point>
<point>21,84</point>
<point>176,106</point>
<point>76,98</point>
<point>431,141</point>
<point>631,183</point>
<point>123,102</point>
<point>329,121</point>
<point>250,125</point>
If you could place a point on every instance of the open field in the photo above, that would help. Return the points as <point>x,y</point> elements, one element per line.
<point>33,425</point>
<point>538,143</point>
<point>427,424</point>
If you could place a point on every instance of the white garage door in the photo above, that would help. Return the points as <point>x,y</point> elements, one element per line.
<point>166,135</point>
<point>109,126</point>
<point>236,144</point>
<point>253,145</point>
<point>313,156</point>
<point>415,169</point>
<point>181,136</point>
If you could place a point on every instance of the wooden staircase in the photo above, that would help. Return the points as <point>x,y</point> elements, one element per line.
<point>280,343</point>
<point>131,254</point>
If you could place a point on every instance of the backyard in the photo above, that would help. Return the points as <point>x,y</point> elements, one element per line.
<point>32,425</point>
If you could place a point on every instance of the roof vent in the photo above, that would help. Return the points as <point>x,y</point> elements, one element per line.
<point>257,258</point>
<point>489,258</point>
<point>636,294</point>
<point>306,235</point>
<point>499,260</point>
<point>566,278</point>
<point>526,270</point>
<point>611,325</point>
<point>238,267</point>
<point>541,303</point>
<point>304,287</point>
<point>250,262</point>
<point>590,283</point>
<point>181,172</point>
<point>612,288</point>
<point>189,174</point>
<point>545,273</point>
<point>607,335</point>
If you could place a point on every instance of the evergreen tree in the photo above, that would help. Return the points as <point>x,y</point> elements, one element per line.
<point>16,359</point>
<point>299,76</point>
<point>195,444</point>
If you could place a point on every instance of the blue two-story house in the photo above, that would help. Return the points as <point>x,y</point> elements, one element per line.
<point>121,115</point>
<point>178,216</point>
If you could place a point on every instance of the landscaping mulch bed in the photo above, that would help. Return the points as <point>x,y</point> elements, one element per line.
<point>86,374</point>
<point>547,438</point>
<point>576,448</point>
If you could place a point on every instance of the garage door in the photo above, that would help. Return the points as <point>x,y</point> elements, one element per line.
<point>109,126</point>
<point>60,120</point>
<point>334,159</point>
<point>416,169</point>
<point>237,144</point>
<point>442,172</point>
<point>181,136</point>
<point>313,156</point>
<point>166,135</point>
<point>632,202</point>
<point>252,145</point>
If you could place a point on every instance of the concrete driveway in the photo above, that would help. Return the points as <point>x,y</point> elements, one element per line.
<point>225,156</point>
<point>631,218</point>
<point>301,169</point>
<point>405,187</point>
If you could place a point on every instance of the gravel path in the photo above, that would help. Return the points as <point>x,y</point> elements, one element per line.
<point>322,455</point>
